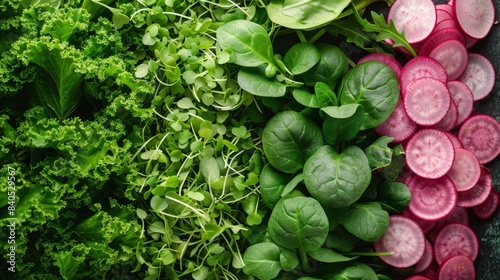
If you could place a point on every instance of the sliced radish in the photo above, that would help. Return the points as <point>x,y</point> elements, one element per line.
<point>447,23</point>
<point>432,199</point>
<point>458,267</point>
<point>475,17</point>
<point>387,59</point>
<point>463,98</point>
<point>430,153</point>
<point>486,209</point>
<point>457,215</point>
<point>425,225</point>
<point>465,171</point>
<point>426,101</point>
<point>440,36</point>
<point>418,277</point>
<point>404,239</point>
<point>479,75</point>
<point>447,8</point>
<point>479,193</point>
<point>432,271</point>
<point>442,14</point>
<point>398,125</point>
<point>480,134</point>
<point>426,260</point>
<point>452,54</point>
<point>450,119</point>
<point>415,17</point>
<point>454,139</point>
<point>453,240</point>
<point>419,67</point>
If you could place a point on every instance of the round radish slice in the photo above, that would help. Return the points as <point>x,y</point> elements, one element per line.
<point>454,240</point>
<point>420,67</point>
<point>442,14</point>
<point>404,239</point>
<point>479,76</point>
<point>465,171</point>
<point>385,59</point>
<point>426,101</point>
<point>432,199</point>
<point>458,215</point>
<point>447,23</point>
<point>430,153</point>
<point>426,259</point>
<point>454,139</point>
<point>478,194</point>
<point>480,134</point>
<point>398,125</point>
<point>418,277</point>
<point>440,36</point>
<point>415,17</point>
<point>475,17</point>
<point>447,8</point>
<point>425,225</point>
<point>458,267</point>
<point>463,98</point>
<point>450,119</point>
<point>486,209</point>
<point>453,55</point>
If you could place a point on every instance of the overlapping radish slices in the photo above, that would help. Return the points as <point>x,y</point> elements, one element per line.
<point>447,145</point>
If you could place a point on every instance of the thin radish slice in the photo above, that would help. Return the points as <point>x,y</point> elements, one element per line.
<point>479,193</point>
<point>426,259</point>
<point>454,139</point>
<point>458,267</point>
<point>486,209</point>
<point>442,15</point>
<point>420,67</point>
<point>398,125</point>
<point>430,153</point>
<point>450,119</point>
<point>458,215</point>
<point>465,171</point>
<point>440,36</point>
<point>453,55</point>
<point>447,23</point>
<point>415,17</point>
<point>454,240</point>
<point>463,98</point>
<point>432,271</point>
<point>475,17</point>
<point>425,225</point>
<point>479,76</point>
<point>386,59</point>
<point>404,239</point>
<point>426,101</point>
<point>418,277</point>
<point>432,199</point>
<point>480,134</point>
<point>447,8</point>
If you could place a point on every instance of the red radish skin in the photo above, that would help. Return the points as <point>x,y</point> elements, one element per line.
<point>457,268</point>
<point>454,240</point>
<point>387,59</point>
<point>479,193</point>
<point>420,67</point>
<point>480,134</point>
<point>404,239</point>
<point>398,125</point>
<point>452,55</point>
<point>439,36</point>
<point>479,76</point>
<point>465,171</point>
<point>454,139</point>
<point>426,260</point>
<point>430,153</point>
<point>486,209</point>
<point>432,199</point>
<point>447,23</point>
<point>415,17</point>
<point>475,17</point>
<point>463,98</point>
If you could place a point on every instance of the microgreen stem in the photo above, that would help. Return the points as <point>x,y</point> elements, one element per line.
<point>301,36</point>
<point>318,35</point>
<point>194,210</point>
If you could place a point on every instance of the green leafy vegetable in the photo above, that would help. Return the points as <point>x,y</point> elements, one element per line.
<point>262,260</point>
<point>367,221</point>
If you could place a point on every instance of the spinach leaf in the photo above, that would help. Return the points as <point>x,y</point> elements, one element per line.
<point>301,57</point>
<point>289,139</point>
<point>374,86</point>
<point>341,239</point>
<point>378,153</point>
<point>330,69</point>
<point>337,179</point>
<point>298,223</point>
<point>305,98</point>
<point>272,184</point>
<point>368,221</point>
<point>288,259</point>
<point>328,256</point>
<point>255,81</point>
<point>262,260</point>
<point>394,194</point>
<point>356,271</point>
<point>342,123</point>
<point>325,95</point>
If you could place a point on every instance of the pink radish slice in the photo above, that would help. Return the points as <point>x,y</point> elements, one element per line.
<point>475,17</point>
<point>432,271</point>
<point>386,59</point>
<point>425,225</point>
<point>479,76</point>
<point>458,215</point>
<point>430,153</point>
<point>478,194</point>
<point>418,277</point>
<point>420,67</point>
<point>440,36</point>
<point>453,55</point>
<point>465,171</point>
<point>454,139</point>
<point>404,239</point>
<point>415,17</point>
<point>480,134</point>
<point>398,125</point>
<point>426,101</point>
<point>442,15</point>
<point>447,23</point>
<point>486,209</point>
<point>453,240</point>
<point>450,119</point>
<point>463,98</point>
<point>447,8</point>
<point>426,259</point>
<point>432,199</point>
<point>458,267</point>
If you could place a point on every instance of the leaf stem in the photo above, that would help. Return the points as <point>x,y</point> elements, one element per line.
<point>301,36</point>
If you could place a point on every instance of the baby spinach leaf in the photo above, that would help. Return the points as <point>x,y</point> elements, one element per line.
<point>368,221</point>
<point>272,183</point>
<point>374,86</point>
<point>342,240</point>
<point>292,184</point>
<point>357,271</point>
<point>395,194</point>
<point>337,180</point>
<point>262,260</point>
<point>289,139</point>
<point>301,57</point>
<point>378,153</point>
<point>342,123</point>
<point>255,81</point>
<point>328,256</point>
<point>392,171</point>
<point>325,95</point>
<point>298,223</point>
<point>305,98</point>
<point>288,259</point>
<point>248,41</point>
<point>331,67</point>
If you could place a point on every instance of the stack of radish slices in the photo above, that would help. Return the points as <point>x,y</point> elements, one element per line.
<point>446,143</point>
